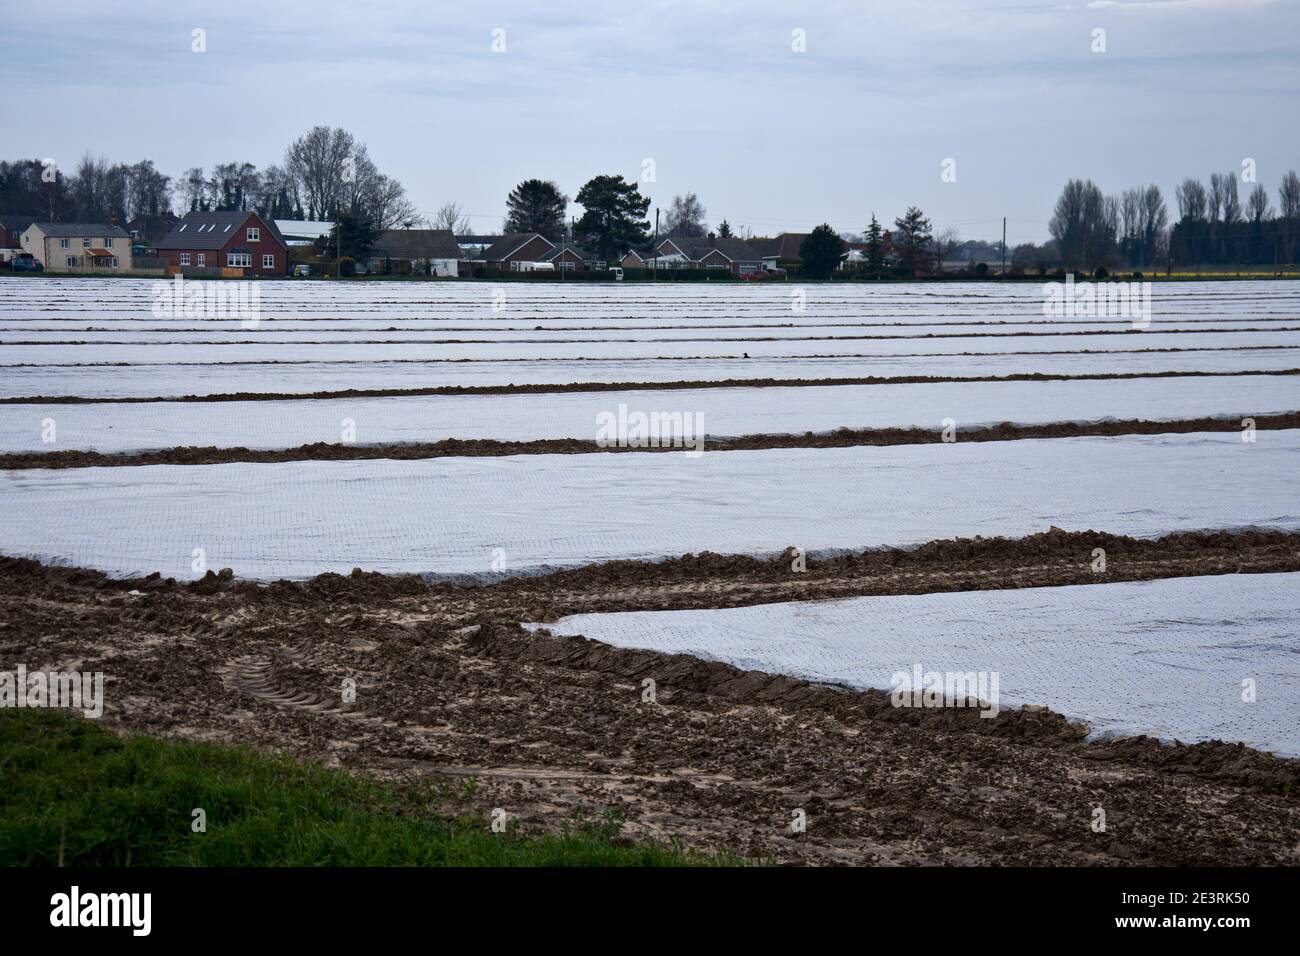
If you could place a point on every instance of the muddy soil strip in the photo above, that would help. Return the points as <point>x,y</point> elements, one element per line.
<point>554,340</point>
<point>271,323</point>
<point>488,447</point>
<point>558,729</point>
<point>554,388</point>
<point>829,356</point>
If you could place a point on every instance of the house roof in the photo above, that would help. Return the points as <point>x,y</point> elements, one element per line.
<point>578,251</point>
<point>509,243</point>
<point>737,250</point>
<point>212,230</point>
<point>81,230</point>
<point>16,223</point>
<point>784,246</point>
<point>416,244</point>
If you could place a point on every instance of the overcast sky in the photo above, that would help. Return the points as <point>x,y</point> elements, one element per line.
<point>713,92</point>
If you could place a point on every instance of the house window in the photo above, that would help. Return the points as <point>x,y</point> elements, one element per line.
<point>85,243</point>
<point>254,234</point>
<point>72,262</point>
<point>268,261</point>
<point>108,243</point>
<point>202,258</point>
<point>566,266</point>
<point>185,258</point>
<point>239,260</point>
<point>514,265</point>
<point>63,243</point>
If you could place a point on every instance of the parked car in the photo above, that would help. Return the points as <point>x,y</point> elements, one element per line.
<point>617,273</point>
<point>301,269</point>
<point>754,275</point>
<point>26,262</point>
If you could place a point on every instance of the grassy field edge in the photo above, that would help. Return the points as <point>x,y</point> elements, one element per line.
<point>73,793</point>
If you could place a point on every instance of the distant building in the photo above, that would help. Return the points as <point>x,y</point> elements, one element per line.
<point>226,240</point>
<point>11,230</point>
<point>734,255</point>
<point>473,246</point>
<point>566,257</point>
<point>783,251</point>
<point>78,246</point>
<point>431,252</point>
<point>151,230</point>
<point>511,251</point>
<point>303,232</point>
<point>632,260</point>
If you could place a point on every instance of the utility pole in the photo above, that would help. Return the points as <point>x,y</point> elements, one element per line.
<point>654,250</point>
<point>338,246</point>
<point>1003,273</point>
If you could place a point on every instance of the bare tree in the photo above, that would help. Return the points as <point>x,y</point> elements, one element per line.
<point>1192,200</point>
<point>382,201</point>
<point>1288,197</point>
<point>945,244</point>
<point>90,189</point>
<point>686,217</point>
<point>1153,219</point>
<point>149,192</point>
<point>1258,207</point>
<point>1231,202</point>
<point>451,215</point>
<point>1214,198</point>
<point>194,189</point>
<point>1193,203</point>
<point>322,162</point>
<point>1084,224</point>
<point>1288,204</point>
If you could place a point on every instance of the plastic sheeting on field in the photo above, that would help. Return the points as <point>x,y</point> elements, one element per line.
<point>1164,658</point>
<point>476,516</point>
<point>721,411</point>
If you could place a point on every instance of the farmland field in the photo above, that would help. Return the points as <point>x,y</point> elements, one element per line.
<point>413,487</point>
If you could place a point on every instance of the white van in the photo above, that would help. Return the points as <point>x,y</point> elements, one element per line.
<point>618,273</point>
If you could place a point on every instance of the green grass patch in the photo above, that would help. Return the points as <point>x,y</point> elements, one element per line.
<point>71,790</point>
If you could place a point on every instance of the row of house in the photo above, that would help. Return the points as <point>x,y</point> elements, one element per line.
<point>244,243</point>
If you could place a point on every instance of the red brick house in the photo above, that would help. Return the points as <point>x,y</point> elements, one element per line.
<point>511,251</point>
<point>712,252</point>
<point>226,240</point>
<point>566,257</point>
<point>11,228</point>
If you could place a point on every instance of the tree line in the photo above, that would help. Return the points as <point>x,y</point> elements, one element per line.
<point>325,173</point>
<point>1091,230</point>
